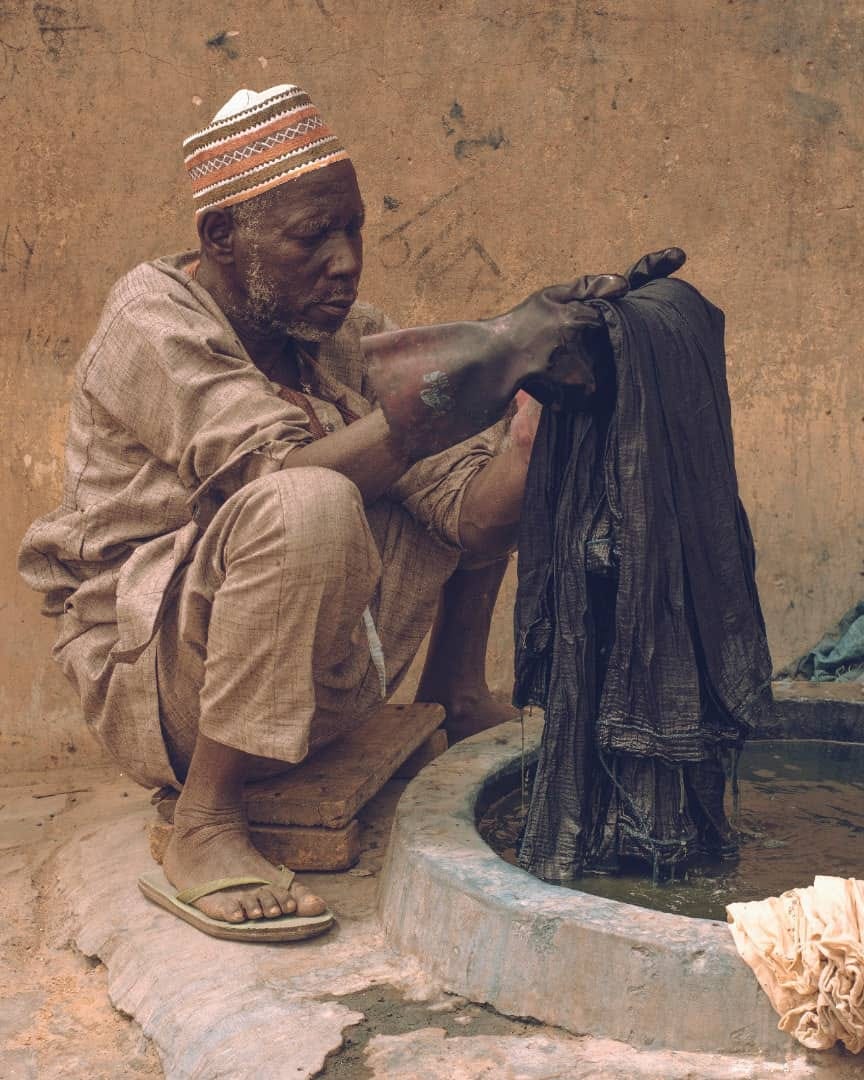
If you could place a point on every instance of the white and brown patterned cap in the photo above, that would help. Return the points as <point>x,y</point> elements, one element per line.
<point>255,142</point>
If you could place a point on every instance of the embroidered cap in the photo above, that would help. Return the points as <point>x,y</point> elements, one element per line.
<point>255,142</point>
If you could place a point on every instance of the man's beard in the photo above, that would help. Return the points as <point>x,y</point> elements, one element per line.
<point>273,327</point>
<point>262,312</point>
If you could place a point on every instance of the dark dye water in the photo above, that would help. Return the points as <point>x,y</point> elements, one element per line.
<point>801,813</point>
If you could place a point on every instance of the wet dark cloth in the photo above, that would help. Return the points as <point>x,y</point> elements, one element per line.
<point>638,625</point>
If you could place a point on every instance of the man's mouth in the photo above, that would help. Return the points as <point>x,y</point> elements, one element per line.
<point>336,305</point>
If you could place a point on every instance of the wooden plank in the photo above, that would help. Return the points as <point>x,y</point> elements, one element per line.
<point>332,786</point>
<point>296,846</point>
<point>434,747</point>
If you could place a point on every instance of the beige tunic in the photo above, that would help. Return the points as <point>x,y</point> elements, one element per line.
<point>169,418</point>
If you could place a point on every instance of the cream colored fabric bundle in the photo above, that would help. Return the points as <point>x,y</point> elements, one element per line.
<point>806,948</point>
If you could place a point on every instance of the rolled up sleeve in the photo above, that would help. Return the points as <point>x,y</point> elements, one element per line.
<point>432,490</point>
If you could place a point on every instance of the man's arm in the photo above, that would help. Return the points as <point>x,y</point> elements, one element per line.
<point>365,452</point>
<point>541,344</point>
<point>375,454</point>
<point>492,504</point>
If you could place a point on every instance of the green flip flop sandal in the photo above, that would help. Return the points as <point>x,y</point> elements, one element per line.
<point>157,888</point>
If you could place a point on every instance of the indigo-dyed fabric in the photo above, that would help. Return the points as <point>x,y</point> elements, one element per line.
<point>638,625</point>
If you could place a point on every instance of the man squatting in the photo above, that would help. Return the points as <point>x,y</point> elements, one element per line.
<point>250,549</point>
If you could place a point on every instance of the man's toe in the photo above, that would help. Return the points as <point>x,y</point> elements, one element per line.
<point>307,902</point>
<point>271,903</point>
<point>261,904</point>
<point>229,909</point>
<point>285,900</point>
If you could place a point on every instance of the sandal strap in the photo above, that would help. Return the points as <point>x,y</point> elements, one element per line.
<point>283,879</point>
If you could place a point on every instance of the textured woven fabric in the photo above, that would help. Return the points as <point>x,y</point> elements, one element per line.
<point>275,599</point>
<point>169,419</point>
<point>256,142</point>
<point>806,948</point>
<point>638,626</point>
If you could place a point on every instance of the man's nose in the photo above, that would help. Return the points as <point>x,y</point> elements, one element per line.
<point>345,255</point>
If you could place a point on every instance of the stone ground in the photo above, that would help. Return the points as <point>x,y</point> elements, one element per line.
<point>77,936</point>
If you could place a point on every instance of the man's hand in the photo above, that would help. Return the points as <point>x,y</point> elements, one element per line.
<point>571,364</point>
<point>548,330</point>
<point>658,264</point>
<point>561,312</point>
<point>523,426</point>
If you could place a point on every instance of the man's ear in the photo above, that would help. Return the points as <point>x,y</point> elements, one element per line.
<point>216,233</point>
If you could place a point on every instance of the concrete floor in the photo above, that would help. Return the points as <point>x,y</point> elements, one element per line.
<point>78,937</point>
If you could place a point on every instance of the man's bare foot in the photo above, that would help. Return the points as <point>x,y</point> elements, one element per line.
<point>470,711</point>
<point>209,844</point>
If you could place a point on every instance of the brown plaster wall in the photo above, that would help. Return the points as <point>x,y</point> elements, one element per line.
<point>501,146</point>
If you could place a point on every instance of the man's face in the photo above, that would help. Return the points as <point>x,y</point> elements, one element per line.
<point>298,253</point>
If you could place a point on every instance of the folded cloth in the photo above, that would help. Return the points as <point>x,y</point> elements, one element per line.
<point>806,948</point>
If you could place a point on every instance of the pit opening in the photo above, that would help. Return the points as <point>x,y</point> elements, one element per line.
<point>495,934</point>
<point>800,813</point>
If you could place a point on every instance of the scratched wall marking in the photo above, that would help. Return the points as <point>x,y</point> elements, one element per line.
<point>433,248</point>
<point>17,249</point>
<point>56,24</point>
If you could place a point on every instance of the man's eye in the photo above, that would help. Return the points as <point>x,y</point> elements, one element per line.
<point>313,239</point>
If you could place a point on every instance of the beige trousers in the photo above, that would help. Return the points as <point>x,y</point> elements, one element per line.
<point>264,646</point>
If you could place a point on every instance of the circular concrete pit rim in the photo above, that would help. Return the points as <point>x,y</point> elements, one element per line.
<point>495,934</point>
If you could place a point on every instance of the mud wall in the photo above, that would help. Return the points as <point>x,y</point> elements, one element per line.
<point>500,146</point>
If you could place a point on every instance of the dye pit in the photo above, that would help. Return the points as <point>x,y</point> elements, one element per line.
<point>801,813</point>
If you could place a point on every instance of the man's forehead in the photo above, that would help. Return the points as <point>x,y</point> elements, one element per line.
<point>334,188</point>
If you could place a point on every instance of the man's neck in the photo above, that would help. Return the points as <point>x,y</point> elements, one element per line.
<point>271,352</point>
